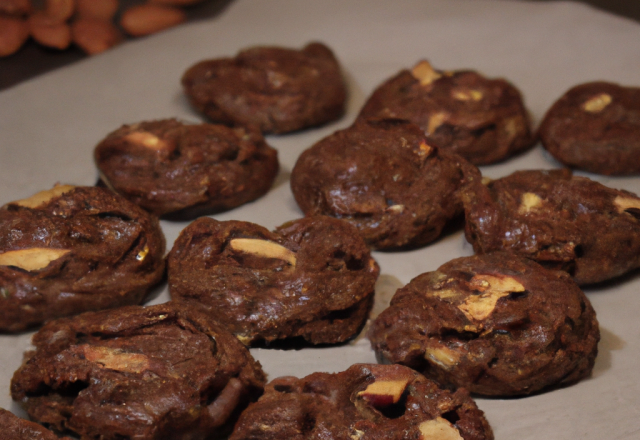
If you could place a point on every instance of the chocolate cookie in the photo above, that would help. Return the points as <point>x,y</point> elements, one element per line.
<point>311,278</point>
<point>496,324</point>
<point>186,170</point>
<point>73,249</point>
<point>595,127</point>
<point>158,372</point>
<point>367,402</point>
<point>559,220</point>
<point>276,89</point>
<point>384,177</point>
<point>483,120</point>
<point>15,428</point>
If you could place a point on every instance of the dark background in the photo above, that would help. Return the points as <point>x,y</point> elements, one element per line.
<point>33,59</point>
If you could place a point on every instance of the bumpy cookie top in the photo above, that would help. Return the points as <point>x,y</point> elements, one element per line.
<point>559,220</point>
<point>72,249</point>
<point>312,277</point>
<point>595,127</point>
<point>365,402</point>
<point>483,120</point>
<point>497,324</point>
<point>137,372</point>
<point>275,89</point>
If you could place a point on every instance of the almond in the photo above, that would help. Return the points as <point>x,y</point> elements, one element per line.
<point>31,259</point>
<point>94,35</point>
<point>13,34</point>
<point>147,19</point>
<point>60,10</point>
<point>263,249</point>
<point>49,32</point>
<point>102,9</point>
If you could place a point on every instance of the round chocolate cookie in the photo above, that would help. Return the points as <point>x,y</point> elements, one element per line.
<point>276,89</point>
<point>559,220</point>
<point>186,170</point>
<point>595,127</point>
<point>145,373</point>
<point>496,324</point>
<point>73,249</point>
<point>483,120</point>
<point>384,177</point>
<point>311,278</point>
<point>367,402</point>
<point>15,428</point>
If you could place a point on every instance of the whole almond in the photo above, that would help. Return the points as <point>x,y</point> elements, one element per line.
<point>94,35</point>
<point>103,9</point>
<point>15,7</point>
<point>49,32</point>
<point>147,19</point>
<point>60,10</point>
<point>13,33</point>
<point>175,2</point>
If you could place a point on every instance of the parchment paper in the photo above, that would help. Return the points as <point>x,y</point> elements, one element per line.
<point>49,126</point>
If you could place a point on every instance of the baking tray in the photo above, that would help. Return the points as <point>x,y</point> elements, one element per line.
<point>49,126</point>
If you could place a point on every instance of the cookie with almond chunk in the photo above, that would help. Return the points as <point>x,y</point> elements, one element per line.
<point>386,178</point>
<point>595,127</point>
<point>559,220</point>
<point>496,324</point>
<point>311,279</point>
<point>158,372</point>
<point>179,170</point>
<point>368,402</point>
<point>72,249</point>
<point>483,120</point>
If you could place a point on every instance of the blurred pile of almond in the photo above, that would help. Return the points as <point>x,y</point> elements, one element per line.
<point>89,24</point>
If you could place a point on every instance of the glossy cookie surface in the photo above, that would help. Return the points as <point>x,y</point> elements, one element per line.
<point>163,371</point>
<point>483,120</point>
<point>72,249</point>
<point>495,324</point>
<point>311,278</point>
<point>364,402</point>
<point>595,127</point>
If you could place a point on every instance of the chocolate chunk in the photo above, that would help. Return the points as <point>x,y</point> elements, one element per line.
<point>384,177</point>
<point>185,170</point>
<point>72,249</point>
<point>483,120</point>
<point>311,278</point>
<point>164,371</point>
<point>496,324</point>
<point>595,127</point>
<point>276,89</point>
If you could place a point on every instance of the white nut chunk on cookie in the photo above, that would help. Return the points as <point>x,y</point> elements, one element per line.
<point>263,248</point>
<point>31,259</point>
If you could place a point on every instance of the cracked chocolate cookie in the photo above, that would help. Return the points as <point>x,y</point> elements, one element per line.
<point>595,127</point>
<point>275,89</point>
<point>158,372</point>
<point>483,120</point>
<point>15,428</point>
<point>186,170</point>
<point>72,249</point>
<point>559,220</point>
<point>496,324</point>
<point>384,177</point>
<point>367,402</point>
<point>311,278</point>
